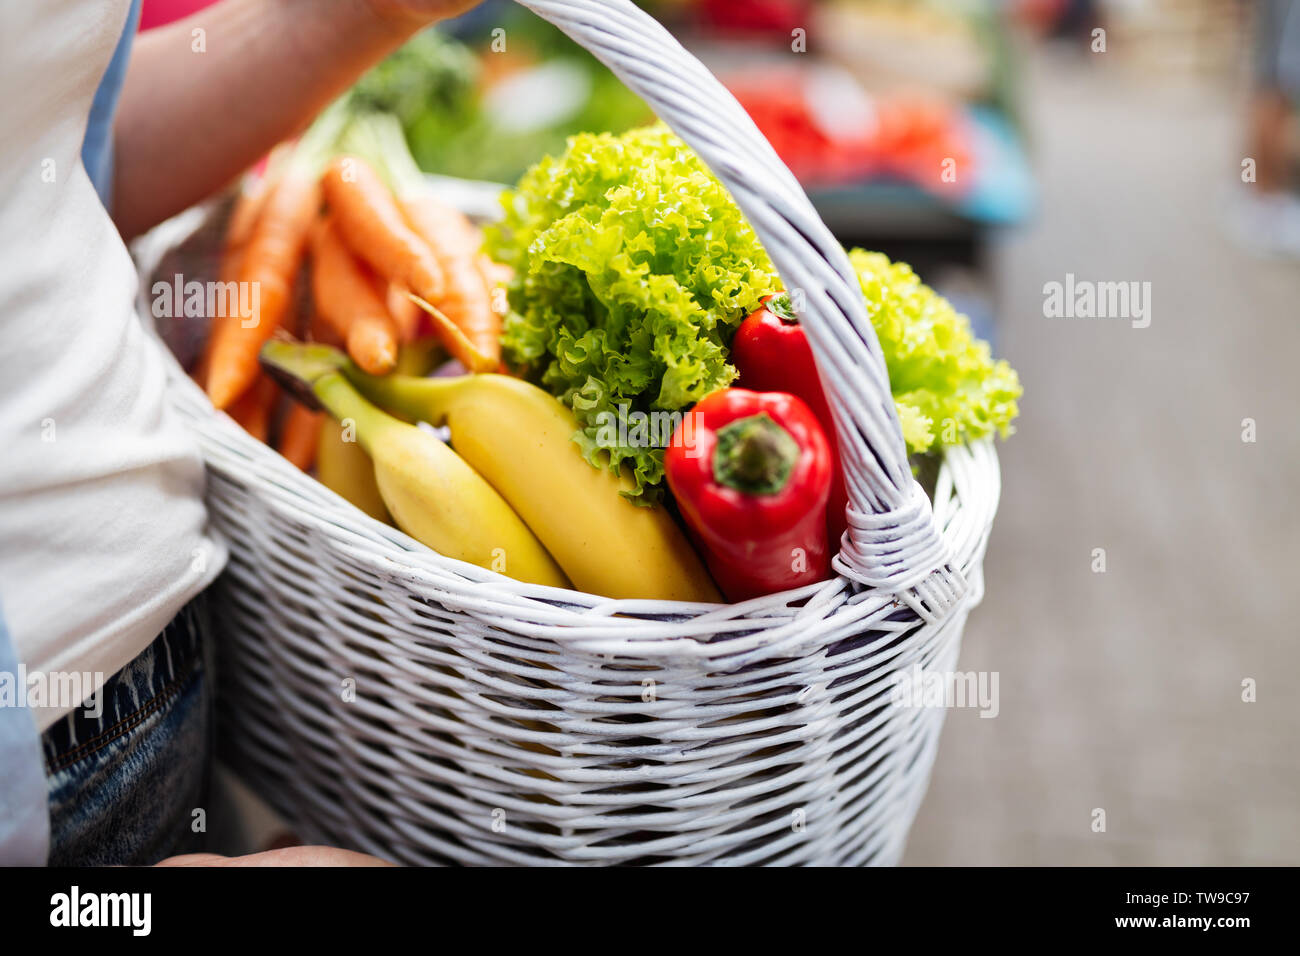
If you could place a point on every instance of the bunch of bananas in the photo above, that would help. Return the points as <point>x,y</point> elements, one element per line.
<point>511,493</point>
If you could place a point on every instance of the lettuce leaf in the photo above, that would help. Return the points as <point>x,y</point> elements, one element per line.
<point>633,267</point>
<point>946,385</point>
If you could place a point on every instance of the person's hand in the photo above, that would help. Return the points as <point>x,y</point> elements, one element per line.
<point>286,856</point>
<point>420,12</point>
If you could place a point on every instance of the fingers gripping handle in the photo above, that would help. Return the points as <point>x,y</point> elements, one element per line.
<point>892,541</point>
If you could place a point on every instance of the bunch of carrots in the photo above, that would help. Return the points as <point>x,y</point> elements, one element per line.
<point>392,267</point>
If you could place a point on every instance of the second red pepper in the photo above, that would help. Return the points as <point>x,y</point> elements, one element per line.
<point>773,355</point>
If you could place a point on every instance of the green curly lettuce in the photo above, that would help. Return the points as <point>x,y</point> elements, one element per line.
<point>633,267</point>
<point>947,387</point>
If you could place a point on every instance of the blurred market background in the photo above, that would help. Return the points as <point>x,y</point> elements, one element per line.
<point>998,147</point>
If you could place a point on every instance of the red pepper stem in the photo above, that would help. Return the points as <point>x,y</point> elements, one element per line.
<point>754,455</point>
<point>781,306</point>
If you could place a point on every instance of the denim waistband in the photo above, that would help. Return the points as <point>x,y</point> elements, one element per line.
<point>133,693</point>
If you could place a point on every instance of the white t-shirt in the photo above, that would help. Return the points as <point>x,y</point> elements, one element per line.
<point>103,533</point>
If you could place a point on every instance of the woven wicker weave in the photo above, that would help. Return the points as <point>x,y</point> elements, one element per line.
<point>384,698</point>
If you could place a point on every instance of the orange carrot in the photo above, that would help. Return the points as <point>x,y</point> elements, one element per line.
<point>461,318</point>
<point>372,342</point>
<point>253,409</point>
<point>269,264</point>
<point>404,312</point>
<point>299,436</point>
<point>244,214</point>
<point>370,222</point>
<point>497,276</point>
<point>346,299</point>
<point>227,271</point>
<point>252,198</point>
<point>243,217</point>
<point>465,301</point>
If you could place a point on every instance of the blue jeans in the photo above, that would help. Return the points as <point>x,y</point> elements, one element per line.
<point>129,787</point>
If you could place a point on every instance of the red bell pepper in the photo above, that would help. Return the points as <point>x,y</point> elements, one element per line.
<point>772,354</point>
<point>751,472</point>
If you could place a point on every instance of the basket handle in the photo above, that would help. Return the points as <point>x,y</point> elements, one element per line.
<point>892,541</point>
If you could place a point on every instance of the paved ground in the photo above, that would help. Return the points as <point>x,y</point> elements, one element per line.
<point>1122,690</point>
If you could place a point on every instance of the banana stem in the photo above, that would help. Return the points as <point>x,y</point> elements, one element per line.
<point>346,405</point>
<point>419,399</point>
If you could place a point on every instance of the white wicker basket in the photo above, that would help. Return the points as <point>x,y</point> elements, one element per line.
<point>501,723</point>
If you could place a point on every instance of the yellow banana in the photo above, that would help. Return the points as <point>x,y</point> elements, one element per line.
<point>345,469</point>
<point>432,494</point>
<point>520,438</point>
